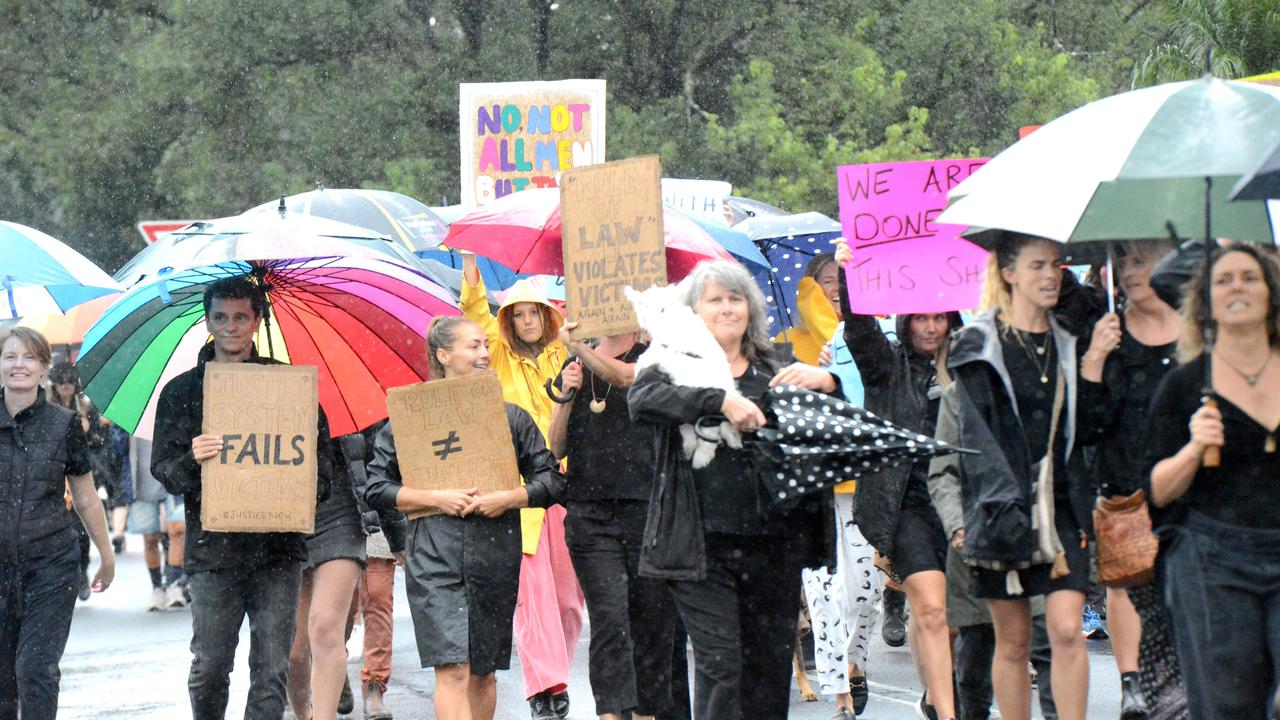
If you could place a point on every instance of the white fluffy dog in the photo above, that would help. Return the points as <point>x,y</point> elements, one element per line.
<point>682,347</point>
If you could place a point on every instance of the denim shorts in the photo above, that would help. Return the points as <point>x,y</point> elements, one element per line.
<point>144,515</point>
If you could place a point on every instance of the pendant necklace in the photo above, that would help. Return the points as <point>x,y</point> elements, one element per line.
<point>1037,353</point>
<point>598,404</point>
<point>1252,379</point>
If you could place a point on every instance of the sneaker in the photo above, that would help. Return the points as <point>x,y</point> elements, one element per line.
<point>540,707</point>
<point>1091,625</point>
<point>346,702</point>
<point>157,600</point>
<point>174,597</point>
<point>861,694</point>
<point>1133,704</point>
<point>925,710</point>
<point>560,704</point>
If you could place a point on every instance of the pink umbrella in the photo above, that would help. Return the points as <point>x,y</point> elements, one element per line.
<point>522,231</point>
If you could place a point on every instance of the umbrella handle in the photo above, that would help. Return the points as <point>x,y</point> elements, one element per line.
<point>559,399</point>
<point>1212,457</point>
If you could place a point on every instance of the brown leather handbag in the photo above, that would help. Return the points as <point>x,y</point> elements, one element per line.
<point>1126,546</point>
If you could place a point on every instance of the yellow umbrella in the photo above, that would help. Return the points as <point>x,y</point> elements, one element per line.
<point>69,328</point>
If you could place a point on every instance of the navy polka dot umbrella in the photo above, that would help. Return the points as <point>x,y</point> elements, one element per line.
<point>814,441</point>
<point>789,242</point>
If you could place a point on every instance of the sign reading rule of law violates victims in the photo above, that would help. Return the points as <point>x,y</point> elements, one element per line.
<point>611,225</point>
<point>453,435</point>
<point>521,135</point>
<point>264,480</point>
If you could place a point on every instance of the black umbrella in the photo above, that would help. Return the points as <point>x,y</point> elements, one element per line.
<point>1261,184</point>
<point>814,441</point>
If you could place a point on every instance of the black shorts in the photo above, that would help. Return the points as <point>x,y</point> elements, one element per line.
<point>1037,580</point>
<point>919,543</point>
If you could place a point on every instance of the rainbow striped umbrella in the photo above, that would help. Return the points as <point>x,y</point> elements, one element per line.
<point>360,320</point>
<point>42,276</point>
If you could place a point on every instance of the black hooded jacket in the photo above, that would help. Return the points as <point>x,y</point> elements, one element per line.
<point>896,379</point>
<point>179,419</point>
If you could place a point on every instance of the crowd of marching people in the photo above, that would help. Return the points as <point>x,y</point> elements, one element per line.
<point>1068,413</point>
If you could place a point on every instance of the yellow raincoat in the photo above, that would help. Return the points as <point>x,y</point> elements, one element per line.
<point>818,322</point>
<point>523,379</point>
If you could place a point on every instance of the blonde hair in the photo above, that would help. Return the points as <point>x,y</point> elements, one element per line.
<point>996,293</point>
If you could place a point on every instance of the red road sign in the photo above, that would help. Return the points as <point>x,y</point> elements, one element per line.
<point>153,230</point>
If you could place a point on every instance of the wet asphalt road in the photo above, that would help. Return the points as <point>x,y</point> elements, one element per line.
<point>123,662</point>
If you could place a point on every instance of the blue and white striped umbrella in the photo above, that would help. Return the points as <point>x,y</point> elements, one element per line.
<point>43,276</point>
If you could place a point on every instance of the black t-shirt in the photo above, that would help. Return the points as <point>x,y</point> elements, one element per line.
<point>1034,382</point>
<point>1242,490</point>
<point>610,458</point>
<point>1133,374</point>
<point>730,495</point>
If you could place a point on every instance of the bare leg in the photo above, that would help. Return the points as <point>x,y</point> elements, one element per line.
<point>332,585</point>
<point>298,686</point>
<point>177,531</point>
<point>151,550</point>
<point>482,692</point>
<point>1126,629</point>
<point>930,637</point>
<point>452,694</point>
<point>119,518</point>
<point>1070,662</point>
<point>1009,676</point>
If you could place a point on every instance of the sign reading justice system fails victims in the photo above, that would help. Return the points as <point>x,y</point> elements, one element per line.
<point>264,480</point>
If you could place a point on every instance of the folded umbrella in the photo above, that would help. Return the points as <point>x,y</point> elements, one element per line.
<point>43,276</point>
<point>360,320</point>
<point>815,441</point>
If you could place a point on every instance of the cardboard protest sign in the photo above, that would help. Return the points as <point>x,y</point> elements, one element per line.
<point>611,220</point>
<point>904,261</point>
<point>264,480</point>
<point>453,435</point>
<point>524,134</point>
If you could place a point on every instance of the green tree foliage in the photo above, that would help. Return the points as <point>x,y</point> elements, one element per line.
<point>1228,38</point>
<point>116,111</point>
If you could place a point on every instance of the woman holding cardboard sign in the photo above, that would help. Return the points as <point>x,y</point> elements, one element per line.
<point>527,352</point>
<point>462,565</point>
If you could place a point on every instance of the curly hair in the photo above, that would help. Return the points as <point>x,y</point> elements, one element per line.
<point>1197,320</point>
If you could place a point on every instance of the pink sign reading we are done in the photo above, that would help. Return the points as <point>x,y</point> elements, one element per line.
<point>904,260</point>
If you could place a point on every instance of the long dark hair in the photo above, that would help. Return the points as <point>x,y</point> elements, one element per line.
<point>1197,315</point>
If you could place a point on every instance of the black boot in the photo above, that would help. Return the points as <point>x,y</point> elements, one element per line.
<point>1133,704</point>
<point>560,704</point>
<point>540,707</point>
<point>894,628</point>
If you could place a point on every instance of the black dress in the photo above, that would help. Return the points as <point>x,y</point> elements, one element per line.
<point>462,574</point>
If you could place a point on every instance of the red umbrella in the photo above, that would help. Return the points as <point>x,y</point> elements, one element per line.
<point>522,231</point>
